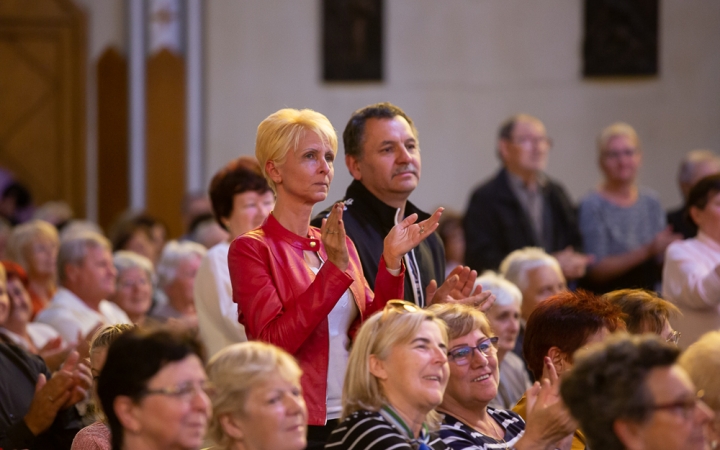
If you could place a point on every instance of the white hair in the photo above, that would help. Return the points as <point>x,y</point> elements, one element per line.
<point>73,249</point>
<point>173,253</point>
<point>505,292</point>
<point>692,161</point>
<point>125,259</point>
<point>517,264</point>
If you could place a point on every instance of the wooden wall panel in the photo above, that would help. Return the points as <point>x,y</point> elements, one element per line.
<point>42,106</point>
<point>113,163</point>
<point>166,138</point>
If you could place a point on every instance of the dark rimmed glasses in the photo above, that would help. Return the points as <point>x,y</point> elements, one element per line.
<point>463,355</point>
<point>683,408</point>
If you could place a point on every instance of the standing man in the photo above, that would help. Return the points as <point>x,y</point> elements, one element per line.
<point>521,206</point>
<point>382,154</point>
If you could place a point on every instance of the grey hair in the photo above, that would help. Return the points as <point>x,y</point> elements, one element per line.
<point>124,260</point>
<point>608,383</point>
<point>173,253</point>
<point>517,264</point>
<point>692,160</point>
<point>506,293</point>
<point>73,249</point>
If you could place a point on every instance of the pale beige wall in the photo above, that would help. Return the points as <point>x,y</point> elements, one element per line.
<point>459,67</point>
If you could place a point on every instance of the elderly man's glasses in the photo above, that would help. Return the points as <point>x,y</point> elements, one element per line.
<point>683,408</point>
<point>526,141</point>
<point>185,391</point>
<point>463,355</point>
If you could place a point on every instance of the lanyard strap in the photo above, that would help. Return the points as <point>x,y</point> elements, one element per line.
<point>422,441</point>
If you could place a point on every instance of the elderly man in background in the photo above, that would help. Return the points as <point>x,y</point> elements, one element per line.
<point>538,276</point>
<point>176,272</point>
<point>382,153</point>
<point>87,277</point>
<point>696,165</point>
<point>630,393</point>
<point>521,206</point>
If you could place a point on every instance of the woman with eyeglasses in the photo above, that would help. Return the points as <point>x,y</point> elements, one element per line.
<point>134,290</point>
<point>623,225</point>
<point>153,391</point>
<point>645,312</point>
<point>396,376</point>
<point>302,288</point>
<point>469,421</point>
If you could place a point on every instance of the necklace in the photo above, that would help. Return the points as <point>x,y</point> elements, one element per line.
<point>494,426</point>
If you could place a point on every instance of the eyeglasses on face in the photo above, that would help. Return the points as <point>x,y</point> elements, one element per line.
<point>463,355</point>
<point>184,391</point>
<point>527,141</point>
<point>674,337</point>
<point>682,408</point>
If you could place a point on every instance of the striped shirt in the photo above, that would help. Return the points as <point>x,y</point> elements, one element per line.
<point>458,436</point>
<point>368,430</point>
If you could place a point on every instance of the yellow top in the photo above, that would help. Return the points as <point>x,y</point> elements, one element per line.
<point>578,442</point>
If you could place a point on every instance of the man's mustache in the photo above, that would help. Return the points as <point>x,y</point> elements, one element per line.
<point>406,168</point>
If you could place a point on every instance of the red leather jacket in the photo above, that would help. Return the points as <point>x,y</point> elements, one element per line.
<point>281,301</point>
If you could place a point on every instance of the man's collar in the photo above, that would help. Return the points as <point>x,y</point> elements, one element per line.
<point>359,198</point>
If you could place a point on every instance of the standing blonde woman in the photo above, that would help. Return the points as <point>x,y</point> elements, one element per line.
<point>303,288</point>
<point>34,245</point>
<point>257,401</point>
<point>397,374</point>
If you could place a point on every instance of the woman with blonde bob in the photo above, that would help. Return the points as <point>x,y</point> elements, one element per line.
<point>473,383</point>
<point>303,288</point>
<point>34,245</point>
<point>396,376</point>
<point>257,401</point>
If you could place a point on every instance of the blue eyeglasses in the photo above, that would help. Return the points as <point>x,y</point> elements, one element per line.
<point>462,355</point>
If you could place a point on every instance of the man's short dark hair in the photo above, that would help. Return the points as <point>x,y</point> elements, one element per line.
<point>354,134</point>
<point>609,382</point>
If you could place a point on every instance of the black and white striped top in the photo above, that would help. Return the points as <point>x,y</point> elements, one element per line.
<point>458,436</point>
<point>368,430</point>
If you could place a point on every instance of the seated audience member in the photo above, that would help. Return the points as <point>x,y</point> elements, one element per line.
<point>645,312</point>
<point>34,245</point>
<point>396,376</point>
<point>521,206</point>
<point>257,401</point>
<point>538,276</point>
<point>96,436</point>
<point>153,391</point>
<point>133,293</point>
<point>702,362</point>
<point>87,278</point>
<point>623,226</point>
<point>206,231</point>
<point>56,213</point>
<point>303,288</point>
<point>452,235</point>
<point>176,271</point>
<point>691,276</point>
<point>130,233</point>
<point>37,338</point>
<point>629,393</point>
<point>504,318</point>
<point>241,200</point>
<point>36,409</point>
<point>469,421</point>
<point>560,326</point>
<point>77,227</point>
<point>696,165</point>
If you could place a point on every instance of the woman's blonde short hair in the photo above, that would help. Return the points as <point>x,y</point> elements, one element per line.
<point>282,131</point>
<point>461,319</point>
<point>644,311</point>
<point>23,235</point>
<point>236,370</point>
<point>616,130</point>
<point>397,324</point>
<point>701,361</point>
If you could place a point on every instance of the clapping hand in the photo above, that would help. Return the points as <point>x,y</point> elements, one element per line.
<point>332,234</point>
<point>407,235</point>
<point>459,287</point>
